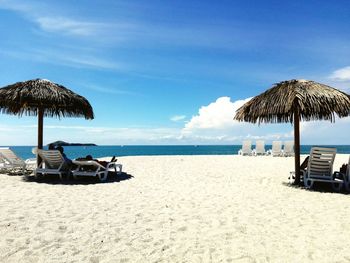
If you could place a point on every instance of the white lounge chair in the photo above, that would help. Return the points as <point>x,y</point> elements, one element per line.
<point>95,169</point>
<point>52,162</point>
<point>246,148</point>
<point>10,162</point>
<point>320,168</point>
<point>288,149</point>
<point>259,148</point>
<point>276,148</point>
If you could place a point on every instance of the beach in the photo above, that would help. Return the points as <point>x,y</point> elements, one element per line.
<point>206,208</point>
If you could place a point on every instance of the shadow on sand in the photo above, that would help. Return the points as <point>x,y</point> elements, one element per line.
<point>317,187</point>
<point>53,179</point>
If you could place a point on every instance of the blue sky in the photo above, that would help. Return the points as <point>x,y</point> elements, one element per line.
<point>172,72</point>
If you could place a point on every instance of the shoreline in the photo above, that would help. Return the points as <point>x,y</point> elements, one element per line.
<point>73,152</point>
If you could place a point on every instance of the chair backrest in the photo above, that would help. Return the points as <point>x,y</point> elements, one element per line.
<point>10,157</point>
<point>52,158</point>
<point>260,147</point>
<point>247,147</point>
<point>276,147</point>
<point>288,147</point>
<point>320,164</point>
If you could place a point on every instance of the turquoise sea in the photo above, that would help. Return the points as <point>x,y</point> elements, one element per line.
<point>136,150</point>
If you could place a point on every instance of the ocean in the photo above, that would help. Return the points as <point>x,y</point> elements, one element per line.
<point>72,152</point>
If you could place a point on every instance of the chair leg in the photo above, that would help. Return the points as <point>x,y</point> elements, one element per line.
<point>103,176</point>
<point>337,186</point>
<point>307,182</point>
<point>37,175</point>
<point>347,182</point>
<point>120,168</point>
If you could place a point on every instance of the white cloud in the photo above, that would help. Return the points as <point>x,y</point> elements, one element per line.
<point>217,115</point>
<point>342,74</point>
<point>214,124</point>
<point>325,132</point>
<point>178,118</point>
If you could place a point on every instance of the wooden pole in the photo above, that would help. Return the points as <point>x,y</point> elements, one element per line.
<point>297,145</point>
<point>40,131</point>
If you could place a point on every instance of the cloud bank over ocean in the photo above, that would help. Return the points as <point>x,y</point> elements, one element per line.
<point>213,124</point>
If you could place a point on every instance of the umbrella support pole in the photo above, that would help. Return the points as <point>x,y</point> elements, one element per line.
<point>297,146</point>
<point>40,131</point>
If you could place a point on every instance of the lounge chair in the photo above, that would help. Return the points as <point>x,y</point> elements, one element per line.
<point>52,162</point>
<point>288,149</point>
<point>10,162</point>
<point>259,148</point>
<point>246,148</point>
<point>276,148</point>
<point>345,176</point>
<point>95,169</point>
<point>320,168</point>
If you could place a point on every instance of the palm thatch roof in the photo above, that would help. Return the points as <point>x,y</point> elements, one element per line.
<point>314,101</point>
<point>55,100</point>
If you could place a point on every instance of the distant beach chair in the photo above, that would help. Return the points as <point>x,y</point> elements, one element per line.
<point>276,148</point>
<point>10,162</point>
<point>320,168</point>
<point>259,148</point>
<point>52,162</point>
<point>288,149</point>
<point>246,148</point>
<point>95,169</point>
<point>345,176</point>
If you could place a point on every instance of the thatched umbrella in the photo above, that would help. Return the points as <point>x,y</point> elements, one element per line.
<point>43,98</point>
<point>292,101</point>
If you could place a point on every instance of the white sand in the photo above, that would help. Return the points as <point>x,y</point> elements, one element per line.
<point>176,209</point>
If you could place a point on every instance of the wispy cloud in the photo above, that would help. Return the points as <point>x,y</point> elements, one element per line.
<point>97,32</point>
<point>65,58</point>
<point>178,118</point>
<point>16,6</point>
<point>342,74</point>
<point>110,90</point>
<point>134,31</point>
<point>49,19</point>
<point>68,26</point>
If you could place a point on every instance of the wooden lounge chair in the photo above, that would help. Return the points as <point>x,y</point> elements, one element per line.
<point>95,169</point>
<point>259,148</point>
<point>288,149</point>
<point>246,148</point>
<point>10,162</point>
<point>320,168</point>
<point>276,148</point>
<point>52,162</point>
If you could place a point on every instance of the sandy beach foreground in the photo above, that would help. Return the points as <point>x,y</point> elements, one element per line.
<point>176,209</point>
